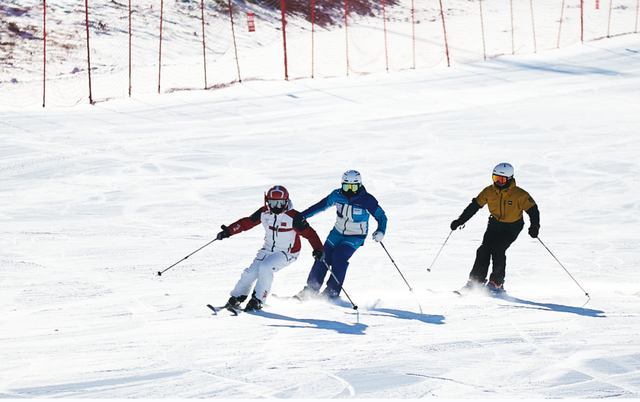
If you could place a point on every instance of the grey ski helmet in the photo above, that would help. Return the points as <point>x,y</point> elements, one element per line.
<point>502,174</point>
<point>351,183</point>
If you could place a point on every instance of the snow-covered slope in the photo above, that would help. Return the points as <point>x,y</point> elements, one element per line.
<point>95,200</point>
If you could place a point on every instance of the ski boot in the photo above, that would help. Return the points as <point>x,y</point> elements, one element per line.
<point>330,294</point>
<point>471,285</point>
<point>494,289</point>
<point>254,304</point>
<point>234,302</point>
<point>306,293</point>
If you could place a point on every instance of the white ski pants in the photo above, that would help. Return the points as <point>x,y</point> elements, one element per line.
<point>261,270</point>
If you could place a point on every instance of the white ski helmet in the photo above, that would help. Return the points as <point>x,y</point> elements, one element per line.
<point>351,183</point>
<point>503,169</point>
<point>502,174</point>
<point>351,177</point>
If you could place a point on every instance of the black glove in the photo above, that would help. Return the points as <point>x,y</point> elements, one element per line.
<point>224,234</point>
<point>318,254</point>
<point>456,224</point>
<point>533,231</point>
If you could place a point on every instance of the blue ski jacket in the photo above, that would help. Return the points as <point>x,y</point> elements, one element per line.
<point>352,213</point>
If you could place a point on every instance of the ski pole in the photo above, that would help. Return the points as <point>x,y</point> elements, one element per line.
<point>334,277</point>
<point>161,272</point>
<point>405,281</point>
<point>574,279</point>
<point>394,263</point>
<point>434,260</point>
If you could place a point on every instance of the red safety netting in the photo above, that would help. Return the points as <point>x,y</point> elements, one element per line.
<point>65,52</point>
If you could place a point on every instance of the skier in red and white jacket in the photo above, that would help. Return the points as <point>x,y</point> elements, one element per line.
<point>283,227</point>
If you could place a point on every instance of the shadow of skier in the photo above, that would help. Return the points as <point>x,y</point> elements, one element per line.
<point>340,327</point>
<point>408,315</point>
<point>556,307</point>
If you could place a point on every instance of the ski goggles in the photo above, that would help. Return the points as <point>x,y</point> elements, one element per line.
<point>276,203</point>
<point>353,187</point>
<point>499,179</point>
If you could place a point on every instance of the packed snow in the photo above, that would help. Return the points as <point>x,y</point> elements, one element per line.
<point>95,200</point>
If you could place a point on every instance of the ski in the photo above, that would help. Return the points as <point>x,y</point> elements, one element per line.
<point>319,298</point>
<point>232,310</point>
<point>294,297</point>
<point>299,299</point>
<point>466,291</point>
<point>463,291</point>
<point>229,309</point>
<point>309,297</point>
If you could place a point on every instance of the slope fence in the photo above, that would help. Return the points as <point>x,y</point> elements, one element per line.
<point>74,51</point>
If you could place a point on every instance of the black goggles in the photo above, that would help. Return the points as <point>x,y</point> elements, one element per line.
<point>276,203</point>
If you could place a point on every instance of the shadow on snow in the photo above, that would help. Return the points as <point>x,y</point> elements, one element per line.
<point>556,307</point>
<point>357,328</point>
<point>340,327</point>
<point>408,315</point>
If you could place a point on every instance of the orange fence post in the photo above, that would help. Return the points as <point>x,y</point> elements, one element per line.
<point>86,13</point>
<point>284,39</point>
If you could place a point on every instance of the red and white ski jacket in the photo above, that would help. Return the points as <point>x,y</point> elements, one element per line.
<point>282,231</point>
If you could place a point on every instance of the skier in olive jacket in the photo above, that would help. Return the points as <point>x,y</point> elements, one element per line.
<point>506,203</point>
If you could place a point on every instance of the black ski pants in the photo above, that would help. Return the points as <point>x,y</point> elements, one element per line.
<point>497,239</point>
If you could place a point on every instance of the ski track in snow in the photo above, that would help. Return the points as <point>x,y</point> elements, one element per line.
<point>97,199</point>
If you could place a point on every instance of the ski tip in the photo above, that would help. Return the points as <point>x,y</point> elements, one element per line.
<point>212,308</point>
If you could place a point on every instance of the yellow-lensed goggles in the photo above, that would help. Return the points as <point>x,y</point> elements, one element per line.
<point>353,187</point>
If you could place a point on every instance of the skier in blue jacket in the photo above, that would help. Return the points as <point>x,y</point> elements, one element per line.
<point>353,208</point>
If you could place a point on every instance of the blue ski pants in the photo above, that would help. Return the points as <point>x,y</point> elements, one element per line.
<point>338,249</point>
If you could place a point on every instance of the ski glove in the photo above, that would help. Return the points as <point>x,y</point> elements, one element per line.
<point>378,235</point>
<point>224,234</point>
<point>456,224</point>
<point>318,254</point>
<point>533,231</point>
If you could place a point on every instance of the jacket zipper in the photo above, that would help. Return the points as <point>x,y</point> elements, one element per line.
<point>346,220</point>
<point>275,231</point>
